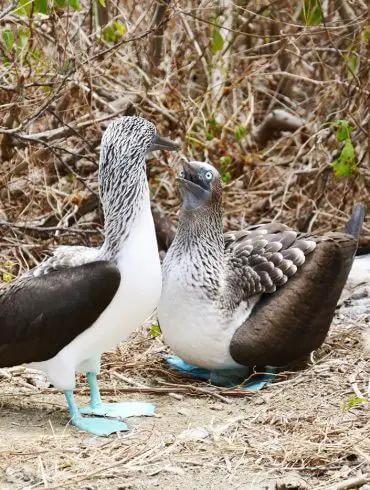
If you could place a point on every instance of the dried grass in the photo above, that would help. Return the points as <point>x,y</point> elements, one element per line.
<point>301,427</point>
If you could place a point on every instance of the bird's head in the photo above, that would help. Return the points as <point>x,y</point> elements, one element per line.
<point>199,186</point>
<point>131,137</point>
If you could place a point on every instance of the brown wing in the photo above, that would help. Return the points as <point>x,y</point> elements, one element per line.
<point>295,319</point>
<point>40,315</point>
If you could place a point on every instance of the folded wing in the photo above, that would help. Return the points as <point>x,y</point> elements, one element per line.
<point>41,315</point>
<point>263,258</point>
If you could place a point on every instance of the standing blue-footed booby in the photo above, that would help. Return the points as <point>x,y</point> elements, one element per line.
<point>62,315</point>
<point>263,296</point>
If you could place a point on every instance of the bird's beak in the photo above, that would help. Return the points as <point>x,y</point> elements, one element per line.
<point>193,194</point>
<point>161,143</point>
<point>189,170</point>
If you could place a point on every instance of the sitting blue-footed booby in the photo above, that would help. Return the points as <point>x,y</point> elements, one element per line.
<point>62,315</point>
<point>263,296</point>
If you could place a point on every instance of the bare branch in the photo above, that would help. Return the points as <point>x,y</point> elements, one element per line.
<point>276,122</point>
<point>156,40</point>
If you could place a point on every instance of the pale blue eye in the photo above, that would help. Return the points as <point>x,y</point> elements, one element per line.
<point>209,176</point>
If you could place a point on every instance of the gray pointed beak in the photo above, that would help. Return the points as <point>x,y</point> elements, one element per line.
<point>190,172</point>
<point>161,143</point>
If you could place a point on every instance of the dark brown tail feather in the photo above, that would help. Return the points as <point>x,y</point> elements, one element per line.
<point>354,225</point>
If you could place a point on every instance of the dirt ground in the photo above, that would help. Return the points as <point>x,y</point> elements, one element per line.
<point>310,429</point>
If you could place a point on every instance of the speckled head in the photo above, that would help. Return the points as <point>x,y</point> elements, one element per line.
<point>132,137</point>
<point>123,182</point>
<point>199,186</point>
<point>124,145</point>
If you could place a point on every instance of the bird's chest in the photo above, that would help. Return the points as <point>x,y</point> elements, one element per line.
<point>194,326</point>
<point>140,269</point>
<point>137,295</point>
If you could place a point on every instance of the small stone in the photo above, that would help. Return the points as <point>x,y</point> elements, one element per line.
<point>259,401</point>
<point>195,434</point>
<point>217,406</point>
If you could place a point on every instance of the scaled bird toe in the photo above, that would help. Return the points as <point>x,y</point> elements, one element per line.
<point>120,410</point>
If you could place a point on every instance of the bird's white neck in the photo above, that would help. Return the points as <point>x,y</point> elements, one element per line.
<point>122,212</point>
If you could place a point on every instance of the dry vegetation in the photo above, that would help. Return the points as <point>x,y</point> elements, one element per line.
<point>276,95</point>
<point>309,430</point>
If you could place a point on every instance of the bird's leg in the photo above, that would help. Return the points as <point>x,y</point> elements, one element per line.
<point>93,425</point>
<point>114,410</point>
<point>95,398</point>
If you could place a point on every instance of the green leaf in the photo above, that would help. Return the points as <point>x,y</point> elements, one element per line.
<point>352,63</point>
<point>109,34</point>
<point>345,165</point>
<point>226,178</point>
<point>225,161</point>
<point>155,331</point>
<point>212,122</point>
<point>71,178</point>
<point>41,6</point>
<point>74,4</point>
<point>102,3</point>
<point>120,29</point>
<point>8,38</point>
<point>240,133</point>
<point>343,129</point>
<point>24,7</point>
<point>7,277</point>
<point>353,402</point>
<point>217,42</point>
<point>311,13</point>
<point>7,274</point>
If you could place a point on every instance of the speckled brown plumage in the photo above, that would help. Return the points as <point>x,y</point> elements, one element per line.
<point>295,320</point>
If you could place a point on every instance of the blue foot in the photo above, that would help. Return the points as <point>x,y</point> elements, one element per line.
<point>183,367</point>
<point>99,427</point>
<point>120,410</point>
<point>95,426</point>
<point>113,410</point>
<point>226,377</point>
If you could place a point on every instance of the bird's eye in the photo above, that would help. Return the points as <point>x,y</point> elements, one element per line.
<point>182,174</point>
<point>209,175</point>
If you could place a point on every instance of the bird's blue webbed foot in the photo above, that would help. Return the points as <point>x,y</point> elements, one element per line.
<point>225,377</point>
<point>93,425</point>
<point>113,410</point>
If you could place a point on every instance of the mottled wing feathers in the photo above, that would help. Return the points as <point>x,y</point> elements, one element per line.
<point>41,315</point>
<point>295,320</point>
<point>263,258</point>
<point>66,256</point>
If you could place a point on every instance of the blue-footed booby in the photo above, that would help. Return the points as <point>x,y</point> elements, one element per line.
<point>62,315</point>
<point>263,296</point>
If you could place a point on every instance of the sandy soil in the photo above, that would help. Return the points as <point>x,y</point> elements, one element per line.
<point>311,429</point>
